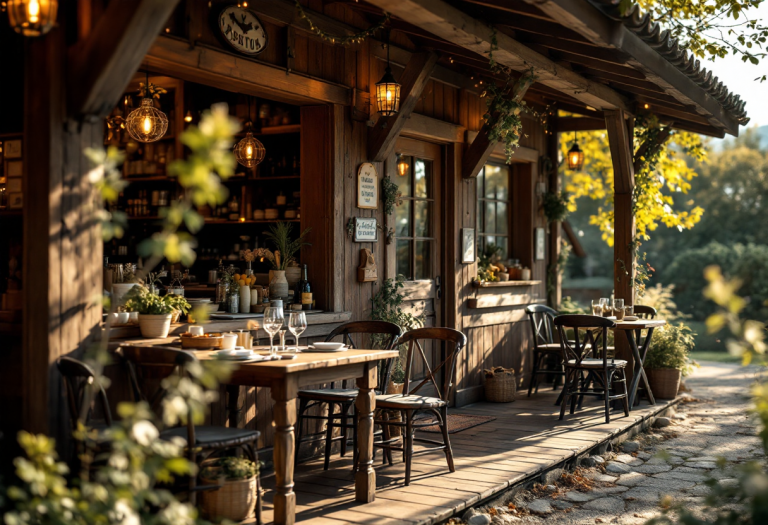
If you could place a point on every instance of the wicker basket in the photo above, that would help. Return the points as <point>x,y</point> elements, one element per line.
<point>235,500</point>
<point>664,382</point>
<point>500,385</point>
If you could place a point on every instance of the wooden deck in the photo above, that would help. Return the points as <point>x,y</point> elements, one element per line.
<point>525,440</point>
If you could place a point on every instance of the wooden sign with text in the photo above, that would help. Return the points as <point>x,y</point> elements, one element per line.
<point>367,187</point>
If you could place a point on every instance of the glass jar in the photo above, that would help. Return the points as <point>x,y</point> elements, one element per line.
<point>221,292</point>
<point>233,304</point>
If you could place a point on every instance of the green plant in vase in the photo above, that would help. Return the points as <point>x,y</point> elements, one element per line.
<point>286,250</point>
<point>155,312</point>
<point>667,359</point>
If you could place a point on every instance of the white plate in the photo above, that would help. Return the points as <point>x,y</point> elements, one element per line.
<point>631,318</point>
<point>237,354</point>
<point>312,348</point>
<point>329,346</point>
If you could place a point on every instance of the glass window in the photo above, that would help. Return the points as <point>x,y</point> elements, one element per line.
<point>413,220</point>
<point>494,208</point>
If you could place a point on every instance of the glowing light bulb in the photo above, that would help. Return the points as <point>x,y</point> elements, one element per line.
<point>147,125</point>
<point>33,11</point>
<point>389,95</point>
<point>188,116</point>
<point>249,151</point>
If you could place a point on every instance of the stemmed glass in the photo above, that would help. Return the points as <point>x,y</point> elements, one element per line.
<point>297,323</point>
<point>273,320</point>
<point>607,306</point>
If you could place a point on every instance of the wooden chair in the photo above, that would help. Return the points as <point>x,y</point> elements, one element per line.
<point>582,356</point>
<point>645,312</point>
<point>541,319</point>
<point>148,365</point>
<point>409,403</point>
<point>343,397</point>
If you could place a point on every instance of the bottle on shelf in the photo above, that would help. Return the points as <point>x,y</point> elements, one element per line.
<point>304,290</point>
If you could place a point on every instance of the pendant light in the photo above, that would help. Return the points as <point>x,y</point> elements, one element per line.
<point>387,91</point>
<point>250,151</point>
<point>402,165</point>
<point>575,156</point>
<point>32,17</point>
<point>146,123</point>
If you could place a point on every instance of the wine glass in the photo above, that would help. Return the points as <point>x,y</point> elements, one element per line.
<point>605,302</point>
<point>597,307</point>
<point>297,323</point>
<point>273,320</point>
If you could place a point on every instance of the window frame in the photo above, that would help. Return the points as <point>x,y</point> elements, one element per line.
<point>480,206</point>
<point>412,238</point>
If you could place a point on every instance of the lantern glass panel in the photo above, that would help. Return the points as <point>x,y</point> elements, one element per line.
<point>32,17</point>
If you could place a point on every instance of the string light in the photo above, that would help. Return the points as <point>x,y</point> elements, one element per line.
<point>336,39</point>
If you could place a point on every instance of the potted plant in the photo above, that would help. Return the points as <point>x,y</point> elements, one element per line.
<point>667,359</point>
<point>155,312</point>
<point>179,305</point>
<point>124,280</point>
<point>284,254</point>
<point>235,499</point>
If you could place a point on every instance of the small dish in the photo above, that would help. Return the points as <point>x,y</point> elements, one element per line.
<point>631,318</point>
<point>328,346</point>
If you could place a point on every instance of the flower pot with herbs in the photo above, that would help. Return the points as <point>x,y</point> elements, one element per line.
<point>286,249</point>
<point>236,498</point>
<point>667,359</point>
<point>155,312</point>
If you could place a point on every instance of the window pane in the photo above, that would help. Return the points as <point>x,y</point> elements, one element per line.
<point>422,219</point>
<point>403,219</point>
<point>404,258</point>
<point>422,173</point>
<point>502,221</point>
<point>480,216</point>
<point>404,182</point>
<point>481,183</point>
<point>502,185</point>
<point>490,217</point>
<point>423,259</point>
<point>503,243</point>
<point>492,180</point>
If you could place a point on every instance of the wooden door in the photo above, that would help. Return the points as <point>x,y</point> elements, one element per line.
<point>417,250</point>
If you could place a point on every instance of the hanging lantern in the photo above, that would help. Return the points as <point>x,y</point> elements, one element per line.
<point>188,116</point>
<point>147,123</point>
<point>250,151</point>
<point>387,91</point>
<point>575,157</point>
<point>32,17</point>
<point>402,165</point>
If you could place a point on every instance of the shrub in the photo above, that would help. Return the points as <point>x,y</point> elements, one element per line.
<point>670,347</point>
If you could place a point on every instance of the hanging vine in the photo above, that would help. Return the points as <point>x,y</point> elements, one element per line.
<point>340,39</point>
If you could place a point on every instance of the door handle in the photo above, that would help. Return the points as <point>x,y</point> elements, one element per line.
<point>438,287</point>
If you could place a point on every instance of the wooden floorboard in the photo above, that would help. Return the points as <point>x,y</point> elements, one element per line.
<point>525,439</point>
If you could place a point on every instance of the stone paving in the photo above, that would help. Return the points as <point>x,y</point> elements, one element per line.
<point>672,460</point>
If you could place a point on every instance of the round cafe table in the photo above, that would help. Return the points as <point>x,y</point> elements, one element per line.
<point>639,348</point>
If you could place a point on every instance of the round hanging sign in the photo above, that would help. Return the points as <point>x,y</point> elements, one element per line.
<point>242,29</point>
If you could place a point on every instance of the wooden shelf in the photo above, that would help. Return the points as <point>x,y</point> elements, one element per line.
<point>250,221</point>
<point>150,178</point>
<point>279,130</point>
<point>16,212</point>
<point>503,284</point>
<point>262,179</point>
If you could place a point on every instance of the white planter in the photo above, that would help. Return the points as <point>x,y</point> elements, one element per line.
<point>245,299</point>
<point>119,290</point>
<point>155,325</point>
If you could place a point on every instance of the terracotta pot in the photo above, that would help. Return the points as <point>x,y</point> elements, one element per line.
<point>278,285</point>
<point>235,500</point>
<point>155,325</point>
<point>664,382</point>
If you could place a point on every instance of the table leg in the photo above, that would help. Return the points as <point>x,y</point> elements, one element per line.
<point>284,394</point>
<point>638,371</point>
<point>642,352</point>
<point>234,407</point>
<point>365,477</point>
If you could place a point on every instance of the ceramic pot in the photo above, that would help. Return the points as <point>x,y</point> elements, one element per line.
<point>235,500</point>
<point>278,285</point>
<point>293,276</point>
<point>155,325</point>
<point>245,299</point>
<point>119,290</point>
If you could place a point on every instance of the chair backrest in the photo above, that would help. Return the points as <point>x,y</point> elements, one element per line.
<point>645,312</point>
<point>82,390</point>
<point>389,331</point>
<point>541,318</point>
<point>152,362</point>
<point>590,333</point>
<point>454,341</point>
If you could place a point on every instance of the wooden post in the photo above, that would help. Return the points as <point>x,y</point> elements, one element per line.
<point>284,393</point>
<point>365,477</point>
<point>554,292</point>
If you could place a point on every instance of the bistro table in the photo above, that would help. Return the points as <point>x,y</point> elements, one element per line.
<point>639,348</point>
<point>284,377</point>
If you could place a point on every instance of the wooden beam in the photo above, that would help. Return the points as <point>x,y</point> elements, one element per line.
<point>578,249</point>
<point>482,147</point>
<point>433,130</point>
<point>582,17</point>
<point>100,66</point>
<point>453,25</point>
<point>620,142</point>
<point>381,139</point>
<point>565,124</point>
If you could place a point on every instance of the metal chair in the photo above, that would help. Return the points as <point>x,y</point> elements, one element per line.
<point>409,403</point>
<point>645,312</point>
<point>600,370</point>
<point>158,363</point>
<point>541,318</point>
<point>343,397</point>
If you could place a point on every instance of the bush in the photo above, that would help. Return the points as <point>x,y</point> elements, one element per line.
<point>670,347</point>
<point>748,263</point>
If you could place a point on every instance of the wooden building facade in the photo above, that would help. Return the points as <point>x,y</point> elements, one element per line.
<point>595,64</point>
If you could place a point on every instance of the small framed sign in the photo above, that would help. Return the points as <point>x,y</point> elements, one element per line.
<point>241,29</point>
<point>366,230</point>
<point>367,187</point>
<point>13,149</point>
<point>468,246</point>
<point>15,200</point>
<point>540,243</point>
<point>14,168</point>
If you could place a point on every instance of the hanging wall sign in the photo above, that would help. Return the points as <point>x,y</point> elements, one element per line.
<point>241,29</point>
<point>540,244</point>
<point>366,230</point>
<point>367,187</point>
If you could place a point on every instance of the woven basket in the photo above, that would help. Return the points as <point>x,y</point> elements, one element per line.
<point>235,500</point>
<point>664,382</point>
<point>500,385</point>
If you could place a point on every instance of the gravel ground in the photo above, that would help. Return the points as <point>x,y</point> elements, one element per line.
<point>672,461</point>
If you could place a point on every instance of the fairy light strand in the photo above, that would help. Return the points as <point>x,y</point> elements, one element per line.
<point>336,39</point>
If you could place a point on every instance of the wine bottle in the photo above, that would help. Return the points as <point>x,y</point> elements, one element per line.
<point>304,291</point>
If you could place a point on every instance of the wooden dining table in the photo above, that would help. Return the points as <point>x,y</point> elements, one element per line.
<point>284,378</point>
<point>639,347</point>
